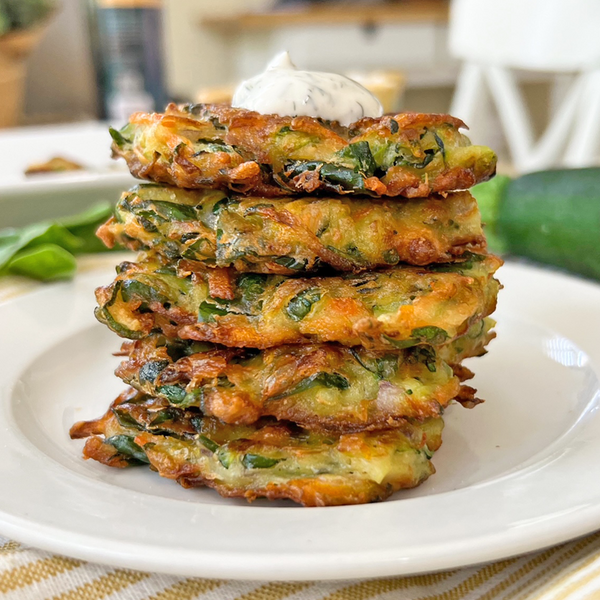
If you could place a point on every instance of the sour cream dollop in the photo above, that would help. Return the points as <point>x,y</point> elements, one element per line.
<point>284,90</point>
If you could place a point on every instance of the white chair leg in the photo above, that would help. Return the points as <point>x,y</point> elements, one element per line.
<point>576,119</point>
<point>549,150</point>
<point>513,114</point>
<point>469,92</point>
<point>473,104</point>
<point>582,150</point>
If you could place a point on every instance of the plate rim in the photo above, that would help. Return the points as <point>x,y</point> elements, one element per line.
<point>322,567</point>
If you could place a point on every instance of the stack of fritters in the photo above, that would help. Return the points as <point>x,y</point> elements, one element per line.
<point>302,302</point>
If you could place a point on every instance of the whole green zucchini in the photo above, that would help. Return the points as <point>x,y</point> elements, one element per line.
<point>552,217</point>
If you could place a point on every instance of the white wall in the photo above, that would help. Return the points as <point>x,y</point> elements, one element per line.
<point>197,56</point>
<point>200,56</point>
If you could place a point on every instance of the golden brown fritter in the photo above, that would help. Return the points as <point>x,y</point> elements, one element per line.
<point>57,164</point>
<point>287,236</point>
<point>271,459</point>
<point>318,386</point>
<point>396,308</point>
<point>219,147</point>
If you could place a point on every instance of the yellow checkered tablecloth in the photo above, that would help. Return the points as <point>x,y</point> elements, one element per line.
<point>569,571</point>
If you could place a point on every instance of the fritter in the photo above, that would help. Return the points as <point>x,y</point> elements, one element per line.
<point>396,308</point>
<point>56,164</point>
<point>287,236</point>
<point>216,146</point>
<point>318,386</point>
<point>271,459</point>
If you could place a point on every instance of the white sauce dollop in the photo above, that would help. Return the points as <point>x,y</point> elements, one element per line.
<point>284,90</point>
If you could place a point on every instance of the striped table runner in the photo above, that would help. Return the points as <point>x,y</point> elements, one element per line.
<point>569,571</point>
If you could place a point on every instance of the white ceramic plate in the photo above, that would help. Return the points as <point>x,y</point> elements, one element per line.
<point>516,474</point>
<point>86,143</point>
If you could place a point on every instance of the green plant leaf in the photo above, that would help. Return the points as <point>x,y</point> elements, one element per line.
<point>96,214</point>
<point>74,234</point>
<point>84,226</point>
<point>14,240</point>
<point>47,262</point>
<point>57,234</point>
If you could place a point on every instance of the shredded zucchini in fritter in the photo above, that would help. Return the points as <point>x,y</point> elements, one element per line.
<point>293,235</point>
<point>318,386</point>
<point>395,308</point>
<point>272,459</point>
<point>219,147</point>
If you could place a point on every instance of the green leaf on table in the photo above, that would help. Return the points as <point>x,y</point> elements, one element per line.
<point>31,235</point>
<point>74,235</point>
<point>85,224</point>
<point>56,234</point>
<point>47,262</point>
<point>8,236</point>
<point>95,215</point>
<point>37,234</point>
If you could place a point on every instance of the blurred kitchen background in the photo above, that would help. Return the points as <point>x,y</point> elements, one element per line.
<point>523,74</point>
<point>499,64</point>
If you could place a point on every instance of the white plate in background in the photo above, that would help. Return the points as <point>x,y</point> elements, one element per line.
<point>87,143</point>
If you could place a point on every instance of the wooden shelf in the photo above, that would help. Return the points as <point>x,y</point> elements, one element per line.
<point>404,11</point>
